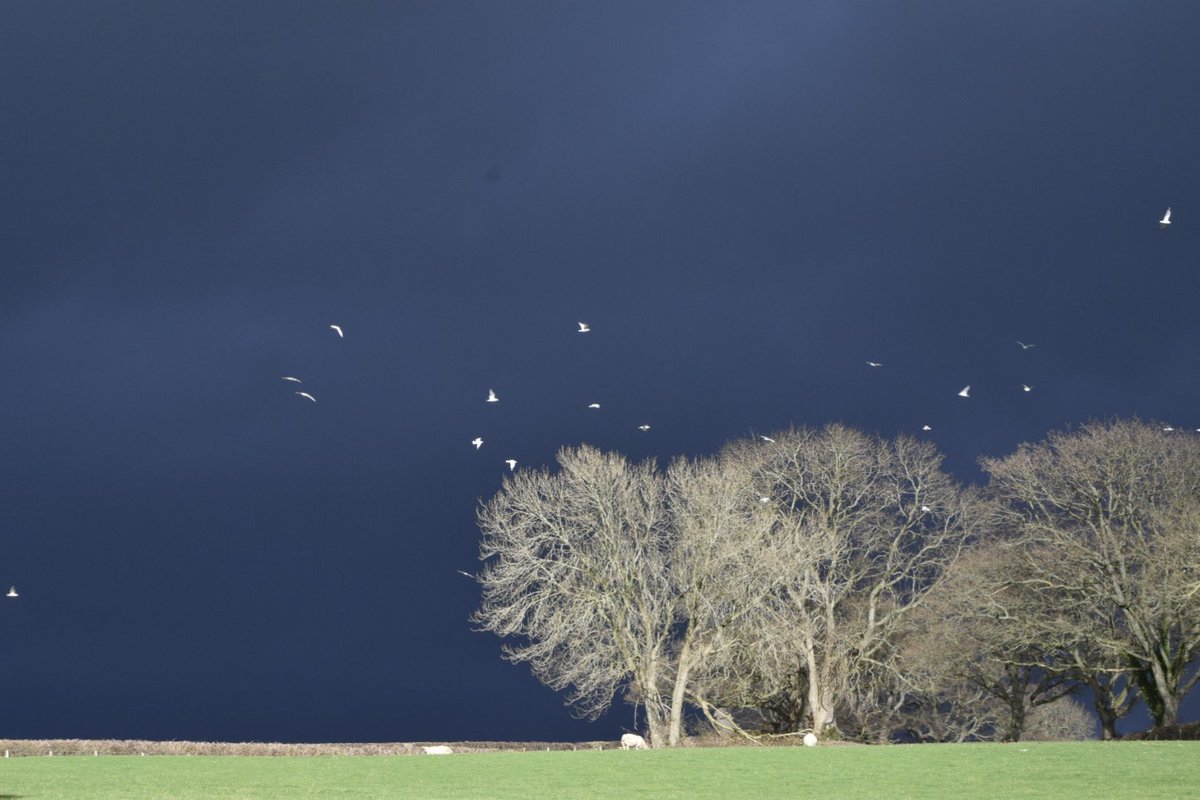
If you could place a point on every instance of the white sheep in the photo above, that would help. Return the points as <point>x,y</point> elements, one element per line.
<point>631,741</point>
<point>437,750</point>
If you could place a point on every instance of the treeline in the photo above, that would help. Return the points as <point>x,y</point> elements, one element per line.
<point>844,583</point>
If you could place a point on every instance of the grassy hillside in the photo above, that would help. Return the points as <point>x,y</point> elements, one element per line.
<point>1124,770</point>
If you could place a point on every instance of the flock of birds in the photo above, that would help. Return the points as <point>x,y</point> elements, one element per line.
<point>966,390</point>
<point>583,328</point>
<point>293,379</point>
<point>492,397</point>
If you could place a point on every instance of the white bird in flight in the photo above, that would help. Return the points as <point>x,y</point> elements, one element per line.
<point>12,592</point>
<point>465,574</point>
<point>584,327</point>
<point>293,380</point>
<point>1027,387</point>
<point>492,397</point>
<point>593,405</point>
<point>926,428</point>
<point>766,438</point>
<point>926,509</point>
<point>512,464</point>
<point>874,364</point>
<point>338,330</point>
<point>643,427</point>
<point>1025,346</point>
<point>1165,221</point>
<point>307,395</point>
<point>966,391</point>
<point>478,442</point>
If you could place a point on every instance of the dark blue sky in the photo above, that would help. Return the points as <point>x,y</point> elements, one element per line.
<point>745,200</point>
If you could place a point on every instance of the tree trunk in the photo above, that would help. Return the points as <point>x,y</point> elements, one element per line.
<point>1016,720</point>
<point>1170,710</point>
<point>820,698</point>
<point>1168,699</point>
<point>1108,720</point>
<point>822,712</point>
<point>648,689</point>
<point>1148,689</point>
<point>654,723</point>
<point>677,695</point>
<point>1018,680</point>
<point>1107,705</point>
<point>1161,699</point>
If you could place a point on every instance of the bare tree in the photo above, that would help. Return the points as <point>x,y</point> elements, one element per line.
<point>1042,630</point>
<point>970,655</point>
<point>1106,524</point>
<point>940,704</point>
<point>719,535</point>
<point>577,579</point>
<point>1110,678</point>
<point>609,575</point>
<point>862,529</point>
<point>1064,720</point>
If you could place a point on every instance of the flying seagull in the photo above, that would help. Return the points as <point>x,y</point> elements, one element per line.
<point>12,592</point>
<point>465,574</point>
<point>966,391</point>
<point>1027,387</point>
<point>925,509</point>
<point>512,464</point>
<point>478,442</point>
<point>584,327</point>
<point>338,330</point>
<point>306,394</point>
<point>1025,346</point>
<point>926,428</point>
<point>766,438</point>
<point>643,427</point>
<point>1165,221</point>
<point>874,364</point>
<point>1168,429</point>
<point>492,397</point>
<point>593,405</point>
<point>290,378</point>
<point>764,499</point>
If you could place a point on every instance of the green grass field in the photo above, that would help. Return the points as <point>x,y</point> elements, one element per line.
<point>1127,770</point>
